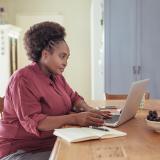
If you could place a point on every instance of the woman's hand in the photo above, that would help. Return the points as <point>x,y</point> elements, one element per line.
<point>91,118</point>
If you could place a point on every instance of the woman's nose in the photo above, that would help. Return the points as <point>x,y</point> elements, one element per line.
<point>65,63</point>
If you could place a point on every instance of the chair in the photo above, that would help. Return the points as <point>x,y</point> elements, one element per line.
<point>1,106</point>
<point>122,96</point>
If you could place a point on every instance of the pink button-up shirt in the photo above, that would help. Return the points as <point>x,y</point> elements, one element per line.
<point>31,96</point>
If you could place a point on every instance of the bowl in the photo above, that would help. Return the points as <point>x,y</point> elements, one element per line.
<point>154,125</point>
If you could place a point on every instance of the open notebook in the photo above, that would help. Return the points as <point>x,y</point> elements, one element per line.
<point>84,133</point>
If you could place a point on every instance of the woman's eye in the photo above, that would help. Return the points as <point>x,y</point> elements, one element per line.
<point>62,56</point>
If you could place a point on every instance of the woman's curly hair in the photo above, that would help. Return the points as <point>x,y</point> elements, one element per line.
<point>41,36</point>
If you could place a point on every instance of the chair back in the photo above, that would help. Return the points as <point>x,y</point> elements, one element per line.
<point>1,106</point>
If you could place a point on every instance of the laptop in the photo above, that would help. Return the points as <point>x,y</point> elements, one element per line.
<point>136,92</point>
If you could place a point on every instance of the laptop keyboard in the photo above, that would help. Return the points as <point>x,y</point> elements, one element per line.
<point>114,119</point>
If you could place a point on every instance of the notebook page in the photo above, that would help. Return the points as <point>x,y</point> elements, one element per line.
<point>75,134</point>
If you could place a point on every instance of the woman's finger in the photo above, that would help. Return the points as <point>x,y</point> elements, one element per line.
<point>102,114</point>
<point>93,122</point>
<point>96,115</point>
<point>106,114</point>
<point>96,120</point>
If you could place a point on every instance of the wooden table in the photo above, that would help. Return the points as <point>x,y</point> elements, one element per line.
<point>140,142</point>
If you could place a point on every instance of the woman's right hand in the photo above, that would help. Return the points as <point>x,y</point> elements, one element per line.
<point>91,118</point>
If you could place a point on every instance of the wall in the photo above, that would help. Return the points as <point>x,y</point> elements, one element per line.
<point>9,9</point>
<point>77,24</point>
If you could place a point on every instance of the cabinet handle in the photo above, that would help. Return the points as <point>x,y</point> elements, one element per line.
<point>134,70</point>
<point>139,70</point>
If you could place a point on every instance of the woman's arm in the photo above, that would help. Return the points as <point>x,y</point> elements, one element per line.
<point>78,102</point>
<point>89,118</point>
<point>53,122</point>
<point>83,115</point>
<point>81,106</point>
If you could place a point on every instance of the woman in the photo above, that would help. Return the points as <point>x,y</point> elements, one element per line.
<point>38,98</point>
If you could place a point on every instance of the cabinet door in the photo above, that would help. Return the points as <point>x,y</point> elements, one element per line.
<point>120,45</point>
<point>150,45</point>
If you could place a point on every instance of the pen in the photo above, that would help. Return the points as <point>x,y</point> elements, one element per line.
<point>98,128</point>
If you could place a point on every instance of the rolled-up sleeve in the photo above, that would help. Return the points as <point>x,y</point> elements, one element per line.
<point>27,106</point>
<point>75,97</point>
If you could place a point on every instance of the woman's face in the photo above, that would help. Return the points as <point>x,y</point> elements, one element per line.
<point>57,60</point>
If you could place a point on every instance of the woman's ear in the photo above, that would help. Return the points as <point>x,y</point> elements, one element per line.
<point>45,54</point>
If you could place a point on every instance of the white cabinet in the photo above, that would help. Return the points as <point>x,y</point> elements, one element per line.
<point>132,44</point>
<point>8,54</point>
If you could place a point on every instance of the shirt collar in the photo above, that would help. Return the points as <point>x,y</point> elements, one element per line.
<point>50,78</point>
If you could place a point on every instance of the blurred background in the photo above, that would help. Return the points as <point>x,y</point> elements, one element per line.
<point>112,42</point>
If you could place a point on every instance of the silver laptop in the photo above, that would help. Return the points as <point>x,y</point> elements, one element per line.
<point>131,106</point>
